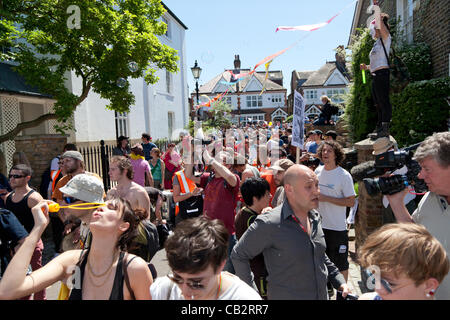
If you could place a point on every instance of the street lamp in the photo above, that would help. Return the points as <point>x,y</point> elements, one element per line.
<point>196,71</point>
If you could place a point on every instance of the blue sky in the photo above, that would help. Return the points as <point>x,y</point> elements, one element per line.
<point>217,30</point>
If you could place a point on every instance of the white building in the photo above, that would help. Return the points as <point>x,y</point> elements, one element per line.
<point>159,109</point>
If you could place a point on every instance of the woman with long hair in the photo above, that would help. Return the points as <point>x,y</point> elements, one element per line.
<point>104,271</point>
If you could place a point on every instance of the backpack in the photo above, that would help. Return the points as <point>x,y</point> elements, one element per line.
<point>400,75</point>
<point>146,247</point>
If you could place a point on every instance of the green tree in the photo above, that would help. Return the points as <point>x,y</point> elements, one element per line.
<point>102,42</point>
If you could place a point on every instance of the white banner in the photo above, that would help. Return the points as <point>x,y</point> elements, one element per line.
<point>298,120</point>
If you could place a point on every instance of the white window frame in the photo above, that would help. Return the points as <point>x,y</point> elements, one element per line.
<point>121,119</point>
<point>405,11</point>
<point>170,122</point>
<point>253,101</point>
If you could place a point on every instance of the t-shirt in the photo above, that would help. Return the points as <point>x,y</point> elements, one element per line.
<point>140,167</point>
<point>336,183</point>
<point>433,212</point>
<point>239,290</point>
<point>220,200</point>
<point>147,148</point>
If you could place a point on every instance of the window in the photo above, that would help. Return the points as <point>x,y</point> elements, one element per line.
<point>170,122</point>
<point>166,21</point>
<point>228,100</point>
<point>336,94</point>
<point>311,94</point>
<point>121,124</point>
<point>168,82</point>
<point>254,101</point>
<point>405,10</point>
<point>277,98</point>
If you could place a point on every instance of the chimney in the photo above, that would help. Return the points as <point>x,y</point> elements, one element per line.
<point>237,62</point>
<point>340,55</point>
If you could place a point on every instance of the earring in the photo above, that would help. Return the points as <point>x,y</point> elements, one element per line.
<point>430,294</point>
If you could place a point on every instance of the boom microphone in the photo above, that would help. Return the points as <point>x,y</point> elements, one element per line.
<point>366,170</point>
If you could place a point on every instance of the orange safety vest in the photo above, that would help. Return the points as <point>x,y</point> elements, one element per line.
<point>186,186</point>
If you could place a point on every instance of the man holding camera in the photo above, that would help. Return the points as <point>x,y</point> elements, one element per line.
<point>221,189</point>
<point>433,211</point>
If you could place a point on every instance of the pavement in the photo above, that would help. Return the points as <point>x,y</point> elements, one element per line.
<point>162,268</point>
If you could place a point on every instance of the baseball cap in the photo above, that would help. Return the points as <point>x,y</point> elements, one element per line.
<point>72,154</point>
<point>85,187</point>
<point>331,133</point>
<point>282,165</point>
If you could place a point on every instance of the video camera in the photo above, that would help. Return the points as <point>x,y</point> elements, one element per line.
<point>390,161</point>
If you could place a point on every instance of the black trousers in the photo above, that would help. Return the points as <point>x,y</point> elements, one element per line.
<point>380,95</point>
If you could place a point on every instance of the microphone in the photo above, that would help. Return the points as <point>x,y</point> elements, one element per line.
<point>366,170</point>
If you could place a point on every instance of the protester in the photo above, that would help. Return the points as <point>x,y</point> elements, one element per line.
<point>433,211</point>
<point>147,145</point>
<point>379,69</point>
<point>406,262</point>
<point>292,242</point>
<point>336,194</point>
<point>279,169</point>
<point>172,161</point>
<point>141,169</point>
<point>221,188</point>
<point>123,148</point>
<point>158,168</point>
<point>113,227</point>
<point>196,253</point>
<point>330,135</point>
<point>327,112</point>
<point>12,235</point>
<point>121,171</point>
<point>187,197</point>
<point>256,195</point>
<point>20,201</point>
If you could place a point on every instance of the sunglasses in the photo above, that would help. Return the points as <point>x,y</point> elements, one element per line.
<point>386,285</point>
<point>194,285</point>
<point>70,200</point>
<point>15,176</point>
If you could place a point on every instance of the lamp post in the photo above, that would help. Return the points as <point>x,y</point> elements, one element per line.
<point>196,71</point>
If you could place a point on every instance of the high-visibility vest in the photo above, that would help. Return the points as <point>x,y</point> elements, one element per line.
<point>53,175</point>
<point>186,186</point>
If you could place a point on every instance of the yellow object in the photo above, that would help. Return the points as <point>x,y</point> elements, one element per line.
<point>64,292</point>
<point>54,207</point>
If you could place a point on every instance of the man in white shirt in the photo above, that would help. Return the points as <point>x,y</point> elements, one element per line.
<point>336,193</point>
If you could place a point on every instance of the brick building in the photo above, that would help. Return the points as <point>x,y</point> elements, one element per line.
<point>424,20</point>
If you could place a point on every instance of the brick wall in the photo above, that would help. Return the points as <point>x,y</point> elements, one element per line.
<point>432,21</point>
<point>40,150</point>
<point>369,215</point>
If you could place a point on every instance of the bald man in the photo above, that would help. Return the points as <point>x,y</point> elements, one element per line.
<point>291,239</point>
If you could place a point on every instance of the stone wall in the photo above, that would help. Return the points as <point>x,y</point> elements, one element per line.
<point>40,150</point>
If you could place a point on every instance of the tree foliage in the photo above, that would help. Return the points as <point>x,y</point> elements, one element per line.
<point>112,36</point>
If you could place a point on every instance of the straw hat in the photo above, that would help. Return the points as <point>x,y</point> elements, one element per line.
<point>382,145</point>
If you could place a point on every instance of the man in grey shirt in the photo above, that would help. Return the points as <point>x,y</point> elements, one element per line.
<point>291,239</point>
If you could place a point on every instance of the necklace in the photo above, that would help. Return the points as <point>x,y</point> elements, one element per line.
<point>102,274</point>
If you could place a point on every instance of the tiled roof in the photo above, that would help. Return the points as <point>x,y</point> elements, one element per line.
<point>208,87</point>
<point>319,77</point>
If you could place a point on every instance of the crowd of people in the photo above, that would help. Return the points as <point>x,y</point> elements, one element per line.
<point>263,228</point>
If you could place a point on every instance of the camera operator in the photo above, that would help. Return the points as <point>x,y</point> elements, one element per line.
<point>433,211</point>
<point>381,146</point>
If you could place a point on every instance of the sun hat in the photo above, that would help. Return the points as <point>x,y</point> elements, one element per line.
<point>282,165</point>
<point>382,145</point>
<point>85,187</point>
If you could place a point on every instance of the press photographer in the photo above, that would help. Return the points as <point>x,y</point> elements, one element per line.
<point>388,158</point>
<point>433,211</point>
